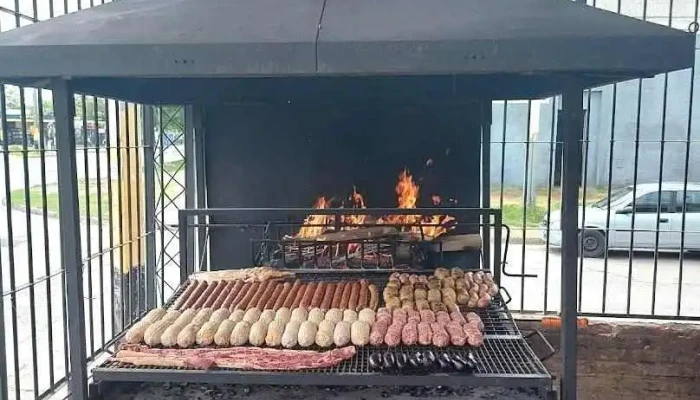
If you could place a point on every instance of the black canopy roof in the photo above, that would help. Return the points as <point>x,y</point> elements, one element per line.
<point>196,50</point>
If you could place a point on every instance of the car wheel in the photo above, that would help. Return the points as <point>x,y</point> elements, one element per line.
<point>593,244</point>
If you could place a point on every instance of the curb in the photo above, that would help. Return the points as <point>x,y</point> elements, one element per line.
<point>50,214</point>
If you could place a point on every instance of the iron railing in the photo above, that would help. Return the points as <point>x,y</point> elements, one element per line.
<point>141,163</point>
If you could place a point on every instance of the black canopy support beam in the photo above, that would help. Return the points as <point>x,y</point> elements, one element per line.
<point>571,120</point>
<point>69,220</point>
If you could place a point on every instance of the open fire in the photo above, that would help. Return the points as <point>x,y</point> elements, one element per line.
<point>408,193</point>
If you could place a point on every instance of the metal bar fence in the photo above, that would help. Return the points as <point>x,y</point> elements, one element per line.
<point>654,117</point>
<point>638,150</point>
<point>114,156</point>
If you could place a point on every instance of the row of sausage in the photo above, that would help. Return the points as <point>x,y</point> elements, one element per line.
<point>275,294</point>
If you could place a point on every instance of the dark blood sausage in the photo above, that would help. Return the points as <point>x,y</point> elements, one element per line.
<point>279,301</point>
<point>409,334</point>
<point>222,295</point>
<point>195,295</point>
<point>270,304</point>
<point>243,304</point>
<point>328,296</point>
<point>232,294</point>
<point>308,295</point>
<point>457,335</point>
<point>203,298</point>
<point>292,294</point>
<point>440,336</point>
<point>345,298</point>
<point>425,334</point>
<point>266,295</point>
<point>338,295</point>
<point>215,294</point>
<point>185,295</point>
<point>373,297</point>
<point>258,294</point>
<point>393,335</point>
<point>376,336</point>
<point>242,292</point>
<point>354,295</point>
<point>363,301</point>
<point>299,296</point>
<point>317,298</point>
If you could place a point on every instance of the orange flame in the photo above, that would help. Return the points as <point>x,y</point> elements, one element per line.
<point>315,225</point>
<point>407,192</point>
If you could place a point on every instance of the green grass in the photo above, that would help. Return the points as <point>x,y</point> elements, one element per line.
<point>36,202</point>
<point>513,209</point>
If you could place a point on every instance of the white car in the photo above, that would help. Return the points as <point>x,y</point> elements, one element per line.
<point>646,214</point>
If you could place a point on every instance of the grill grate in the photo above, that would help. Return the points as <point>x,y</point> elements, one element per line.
<point>497,357</point>
<point>504,360</point>
<point>498,321</point>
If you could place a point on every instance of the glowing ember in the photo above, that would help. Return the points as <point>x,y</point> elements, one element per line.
<point>315,225</point>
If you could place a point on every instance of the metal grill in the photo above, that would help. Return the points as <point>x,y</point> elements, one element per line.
<point>505,359</point>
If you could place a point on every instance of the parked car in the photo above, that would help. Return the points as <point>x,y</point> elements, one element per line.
<point>647,212</point>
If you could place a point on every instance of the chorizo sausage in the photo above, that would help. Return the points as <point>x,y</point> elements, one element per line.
<point>300,295</point>
<point>362,299</point>
<point>345,298</point>
<point>270,304</point>
<point>219,301</point>
<point>308,295</point>
<point>215,294</point>
<point>195,295</point>
<point>337,295</point>
<point>243,304</point>
<point>265,296</point>
<point>232,294</point>
<point>318,295</point>
<point>279,302</point>
<point>328,297</point>
<point>203,298</point>
<point>240,296</point>
<point>373,297</point>
<point>258,294</point>
<point>191,287</point>
<point>289,300</point>
<point>354,295</point>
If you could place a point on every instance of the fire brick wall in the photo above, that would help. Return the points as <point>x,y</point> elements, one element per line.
<point>286,155</point>
<point>625,361</point>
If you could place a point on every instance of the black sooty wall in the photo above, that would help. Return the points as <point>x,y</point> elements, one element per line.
<point>288,155</point>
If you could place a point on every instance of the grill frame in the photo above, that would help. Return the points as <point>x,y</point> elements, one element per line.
<point>505,360</point>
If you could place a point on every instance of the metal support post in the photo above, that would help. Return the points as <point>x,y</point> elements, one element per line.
<point>150,206</point>
<point>486,186</point>
<point>69,220</point>
<point>190,182</point>
<point>201,189</point>
<point>572,129</point>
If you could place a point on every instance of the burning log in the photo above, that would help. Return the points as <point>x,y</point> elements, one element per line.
<point>370,233</point>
